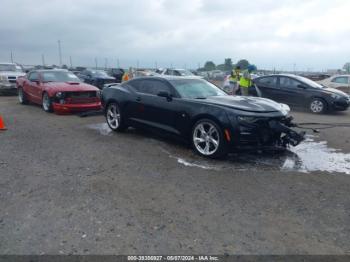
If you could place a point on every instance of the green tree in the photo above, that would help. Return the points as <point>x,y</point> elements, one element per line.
<point>346,67</point>
<point>243,64</point>
<point>209,66</point>
<point>228,64</point>
<point>221,67</point>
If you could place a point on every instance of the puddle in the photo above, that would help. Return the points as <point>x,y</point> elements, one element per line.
<point>317,156</point>
<point>102,128</point>
<point>309,156</point>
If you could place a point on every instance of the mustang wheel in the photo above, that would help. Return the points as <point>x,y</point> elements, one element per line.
<point>22,96</point>
<point>208,139</point>
<point>114,118</point>
<point>47,104</point>
<point>318,106</point>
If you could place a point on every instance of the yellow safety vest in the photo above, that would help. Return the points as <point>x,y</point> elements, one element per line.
<point>244,82</point>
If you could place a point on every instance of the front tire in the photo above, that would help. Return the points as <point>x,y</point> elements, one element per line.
<point>114,117</point>
<point>318,106</point>
<point>208,139</point>
<point>22,96</point>
<point>47,104</point>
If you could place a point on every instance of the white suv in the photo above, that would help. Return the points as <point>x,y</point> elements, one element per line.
<point>9,72</point>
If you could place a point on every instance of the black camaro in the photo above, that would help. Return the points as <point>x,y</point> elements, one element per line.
<point>299,91</point>
<point>96,78</point>
<point>199,112</point>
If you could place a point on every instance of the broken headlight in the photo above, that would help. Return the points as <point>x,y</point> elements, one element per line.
<point>59,95</point>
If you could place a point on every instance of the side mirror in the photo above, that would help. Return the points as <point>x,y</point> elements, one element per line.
<point>301,86</point>
<point>165,94</point>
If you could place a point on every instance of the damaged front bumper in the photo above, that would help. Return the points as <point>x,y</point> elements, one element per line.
<point>268,132</point>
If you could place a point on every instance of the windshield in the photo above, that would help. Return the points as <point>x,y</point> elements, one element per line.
<point>7,67</point>
<point>99,73</point>
<point>309,82</point>
<point>184,72</point>
<point>196,88</point>
<point>59,76</point>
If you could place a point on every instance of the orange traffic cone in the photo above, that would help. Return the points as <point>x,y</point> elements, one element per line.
<point>2,124</point>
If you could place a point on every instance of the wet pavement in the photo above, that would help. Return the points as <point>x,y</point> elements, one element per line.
<point>309,156</point>
<point>68,185</point>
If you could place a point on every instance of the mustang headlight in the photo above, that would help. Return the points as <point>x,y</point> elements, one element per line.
<point>59,95</point>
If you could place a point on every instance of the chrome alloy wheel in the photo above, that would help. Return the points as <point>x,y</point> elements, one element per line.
<point>113,116</point>
<point>46,102</point>
<point>206,138</point>
<point>20,95</point>
<point>316,106</point>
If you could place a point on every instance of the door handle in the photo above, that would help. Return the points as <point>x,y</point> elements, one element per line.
<point>138,99</point>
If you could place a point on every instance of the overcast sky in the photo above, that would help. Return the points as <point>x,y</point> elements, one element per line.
<point>312,34</point>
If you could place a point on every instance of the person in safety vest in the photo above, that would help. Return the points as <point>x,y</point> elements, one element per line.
<point>128,75</point>
<point>234,79</point>
<point>246,80</point>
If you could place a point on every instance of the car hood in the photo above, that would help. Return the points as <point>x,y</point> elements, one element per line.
<point>12,73</point>
<point>250,104</point>
<point>330,90</point>
<point>70,86</point>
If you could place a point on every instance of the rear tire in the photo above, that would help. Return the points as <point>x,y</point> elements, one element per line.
<point>46,103</point>
<point>208,139</point>
<point>318,106</point>
<point>22,97</point>
<point>114,117</point>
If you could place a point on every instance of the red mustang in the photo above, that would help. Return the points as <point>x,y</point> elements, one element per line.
<point>58,90</point>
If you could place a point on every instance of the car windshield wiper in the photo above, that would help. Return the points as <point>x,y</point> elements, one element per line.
<point>200,97</point>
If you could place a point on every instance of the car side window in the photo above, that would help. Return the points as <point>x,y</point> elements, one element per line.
<point>268,82</point>
<point>288,83</point>
<point>153,87</point>
<point>135,84</point>
<point>341,80</point>
<point>33,76</point>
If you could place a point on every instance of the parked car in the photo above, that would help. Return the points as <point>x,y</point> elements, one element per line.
<point>96,78</point>
<point>299,91</point>
<point>175,72</point>
<point>58,90</point>
<point>117,73</point>
<point>9,72</point>
<point>341,82</point>
<point>199,112</point>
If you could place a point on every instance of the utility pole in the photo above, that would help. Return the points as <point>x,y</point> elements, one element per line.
<point>118,62</point>
<point>106,62</point>
<point>137,64</point>
<point>70,61</point>
<point>60,52</point>
<point>95,62</point>
<point>11,57</point>
<point>43,59</point>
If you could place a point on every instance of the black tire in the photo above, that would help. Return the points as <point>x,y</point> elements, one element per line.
<point>318,106</point>
<point>22,97</point>
<point>114,117</point>
<point>46,103</point>
<point>214,150</point>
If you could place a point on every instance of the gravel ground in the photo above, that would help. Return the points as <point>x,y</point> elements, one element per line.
<point>70,186</point>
